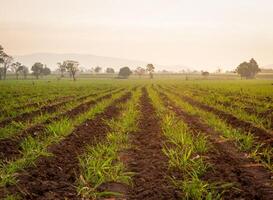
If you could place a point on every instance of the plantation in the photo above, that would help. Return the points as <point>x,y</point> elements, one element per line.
<point>136,139</point>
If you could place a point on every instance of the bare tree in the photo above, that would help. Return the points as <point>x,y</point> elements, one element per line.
<point>61,68</point>
<point>24,71</point>
<point>139,71</point>
<point>5,62</point>
<point>150,68</point>
<point>16,67</point>
<point>72,67</point>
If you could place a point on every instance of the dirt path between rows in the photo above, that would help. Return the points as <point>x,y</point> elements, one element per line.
<point>146,158</point>
<point>54,177</point>
<point>251,180</point>
<point>10,147</point>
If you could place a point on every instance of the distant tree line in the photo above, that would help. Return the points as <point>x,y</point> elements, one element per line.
<point>72,67</point>
<point>7,64</point>
<point>246,70</point>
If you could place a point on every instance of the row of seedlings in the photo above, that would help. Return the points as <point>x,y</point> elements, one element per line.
<point>102,165</point>
<point>186,151</point>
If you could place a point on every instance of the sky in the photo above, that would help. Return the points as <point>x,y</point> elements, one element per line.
<point>202,34</point>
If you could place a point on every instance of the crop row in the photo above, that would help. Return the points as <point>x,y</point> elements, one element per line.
<point>255,112</point>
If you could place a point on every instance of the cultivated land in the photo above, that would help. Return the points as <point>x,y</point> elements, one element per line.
<point>136,139</point>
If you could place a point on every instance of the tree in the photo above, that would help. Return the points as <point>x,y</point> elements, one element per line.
<point>1,62</point>
<point>24,71</point>
<point>61,68</point>
<point>16,68</point>
<point>248,69</point>
<point>205,73</point>
<point>72,67</point>
<point>46,71</point>
<point>5,62</point>
<point>1,73</point>
<point>124,72</point>
<point>150,68</point>
<point>218,71</point>
<point>37,69</point>
<point>1,54</point>
<point>98,69</point>
<point>139,71</point>
<point>110,70</point>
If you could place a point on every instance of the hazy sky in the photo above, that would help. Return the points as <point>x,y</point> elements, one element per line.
<point>194,33</point>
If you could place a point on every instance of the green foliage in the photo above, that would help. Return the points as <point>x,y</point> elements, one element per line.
<point>150,69</point>
<point>12,197</point>
<point>196,189</point>
<point>37,69</point>
<point>46,71</point>
<point>110,70</point>
<point>248,69</point>
<point>124,72</point>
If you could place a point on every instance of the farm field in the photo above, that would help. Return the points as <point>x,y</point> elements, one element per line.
<point>136,139</point>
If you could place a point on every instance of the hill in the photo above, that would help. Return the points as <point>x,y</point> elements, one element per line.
<point>86,61</point>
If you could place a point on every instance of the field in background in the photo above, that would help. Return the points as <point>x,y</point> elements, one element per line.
<point>166,138</point>
<point>212,76</point>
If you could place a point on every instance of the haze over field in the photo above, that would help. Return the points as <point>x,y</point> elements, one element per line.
<point>88,61</point>
<point>197,34</point>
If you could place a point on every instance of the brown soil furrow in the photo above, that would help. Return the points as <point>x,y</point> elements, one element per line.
<point>55,177</point>
<point>146,158</point>
<point>10,148</point>
<point>262,135</point>
<point>252,181</point>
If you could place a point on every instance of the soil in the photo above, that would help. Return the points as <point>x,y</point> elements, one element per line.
<point>10,147</point>
<point>146,158</point>
<point>55,177</point>
<point>250,180</point>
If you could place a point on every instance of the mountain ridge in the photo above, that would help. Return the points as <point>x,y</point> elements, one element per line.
<point>87,61</point>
